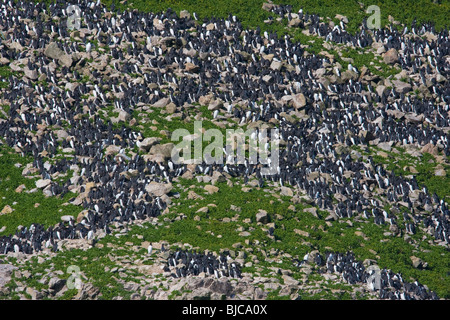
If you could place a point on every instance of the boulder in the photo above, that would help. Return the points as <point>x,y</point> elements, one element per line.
<point>61,134</point>
<point>123,116</point>
<point>161,103</point>
<point>30,74</point>
<point>418,263</point>
<point>67,218</point>
<point>158,189</point>
<point>312,210</point>
<point>165,150</point>
<point>211,189</point>
<point>190,67</point>
<point>6,271</point>
<point>391,56</point>
<point>386,146</point>
<point>56,284</point>
<point>430,148</point>
<point>294,23</point>
<point>42,183</point>
<point>147,143</point>
<point>268,6</point>
<point>440,173</point>
<point>6,209</point>
<point>380,90</point>
<point>276,65</point>
<point>298,101</point>
<point>286,191</point>
<point>185,14</point>
<point>215,105</point>
<point>262,217</point>
<point>401,87</point>
<point>342,18</point>
<point>301,233</point>
<point>349,74</point>
<point>54,52</point>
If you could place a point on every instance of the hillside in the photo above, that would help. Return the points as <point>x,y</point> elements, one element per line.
<point>355,122</point>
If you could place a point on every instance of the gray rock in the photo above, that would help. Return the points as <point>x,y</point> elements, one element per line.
<point>276,65</point>
<point>262,216</point>
<point>430,148</point>
<point>6,271</point>
<point>61,134</point>
<point>235,208</point>
<point>312,210</point>
<point>401,87</point>
<point>185,14</point>
<point>267,78</point>
<point>54,52</point>
<point>190,67</point>
<point>147,143</point>
<point>347,75</point>
<point>42,183</point>
<point>286,191</point>
<point>158,189</point>
<point>301,233</point>
<point>380,90</point>
<point>440,78</point>
<point>342,18</point>
<point>268,6</point>
<point>211,189</point>
<point>87,291</point>
<point>299,101</point>
<point>170,42</point>
<point>416,118</point>
<point>393,228</point>
<point>165,150</point>
<point>386,146</point>
<point>161,103</point>
<point>35,295</point>
<point>171,108</point>
<point>6,210</point>
<point>217,177</point>
<point>56,284</point>
<point>67,218</point>
<point>30,74</point>
<point>331,217</point>
<point>71,86</point>
<point>123,116</point>
<point>215,105</point>
<point>391,56</point>
<point>202,210</point>
<point>66,60</point>
<point>294,23</point>
<point>418,263</point>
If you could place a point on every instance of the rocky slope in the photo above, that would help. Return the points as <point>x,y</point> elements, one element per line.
<point>363,159</point>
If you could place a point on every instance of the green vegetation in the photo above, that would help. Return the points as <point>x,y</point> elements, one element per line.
<point>423,168</point>
<point>5,72</point>
<point>28,208</point>
<point>221,227</point>
<point>211,232</point>
<point>252,15</point>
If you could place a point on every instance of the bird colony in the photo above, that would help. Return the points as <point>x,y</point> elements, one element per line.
<point>131,62</point>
